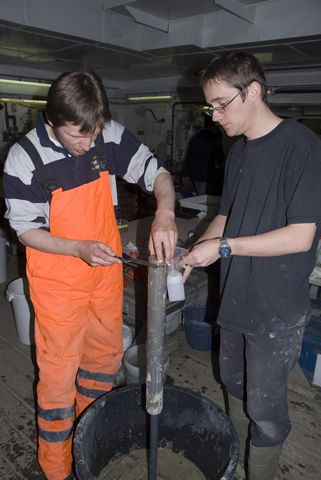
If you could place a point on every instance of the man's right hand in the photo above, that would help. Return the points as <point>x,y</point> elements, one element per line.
<point>204,253</point>
<point>91,251</point>
<point>96,253</point>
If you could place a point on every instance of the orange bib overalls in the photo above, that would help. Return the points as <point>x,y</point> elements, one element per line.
<point>78,320</point>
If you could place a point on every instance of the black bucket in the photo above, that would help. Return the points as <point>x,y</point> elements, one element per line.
<point>189,424</point>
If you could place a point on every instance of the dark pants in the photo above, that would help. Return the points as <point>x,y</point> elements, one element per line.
<point>256,368</point>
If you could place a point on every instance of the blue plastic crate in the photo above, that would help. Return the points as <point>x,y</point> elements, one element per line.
<point>199,332</point>
<point>316,307</point>
<point>311,347</point>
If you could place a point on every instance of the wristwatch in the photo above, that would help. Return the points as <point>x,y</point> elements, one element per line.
<point>224,248</point>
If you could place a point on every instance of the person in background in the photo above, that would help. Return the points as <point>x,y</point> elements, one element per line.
<point>204,162</point>
<point>63,212</point>
<point>266,235</point>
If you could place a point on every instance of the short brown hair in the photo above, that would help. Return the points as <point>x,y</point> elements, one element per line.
<point>239,69</point>
<point>79,98</point>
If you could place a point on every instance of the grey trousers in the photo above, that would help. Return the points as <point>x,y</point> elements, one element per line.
<point>255,368</point>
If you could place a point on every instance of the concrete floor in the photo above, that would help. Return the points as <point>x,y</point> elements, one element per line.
<point>301,456</point>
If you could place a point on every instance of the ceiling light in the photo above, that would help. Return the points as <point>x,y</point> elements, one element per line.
<point>23,101</point>
<point>7,81</point>
<point>264,57</point>
<point>149,98</point>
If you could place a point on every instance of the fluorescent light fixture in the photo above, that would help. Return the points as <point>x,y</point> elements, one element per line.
<point>205,109</point>
<point>25,83</point>
<point>264,57</point>
<point>149,98</point>
<point>23,101</point>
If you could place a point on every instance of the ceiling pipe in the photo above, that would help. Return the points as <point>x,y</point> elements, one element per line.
<point>237,8</point>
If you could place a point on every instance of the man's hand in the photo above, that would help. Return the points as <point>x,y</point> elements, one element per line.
<point>96,253</point>
<point>163,236</point>
<point>201,255</point>
<point>91,251</point>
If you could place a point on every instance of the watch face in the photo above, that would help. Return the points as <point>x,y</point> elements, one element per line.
<point>225,251</point>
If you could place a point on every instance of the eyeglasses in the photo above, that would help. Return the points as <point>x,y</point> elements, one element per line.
<point>221,109</point>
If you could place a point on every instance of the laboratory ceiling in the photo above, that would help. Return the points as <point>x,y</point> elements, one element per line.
<point>160,46</point>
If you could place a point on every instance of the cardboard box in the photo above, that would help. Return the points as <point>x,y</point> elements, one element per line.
<point>135,301</point>
<point>203,203</point>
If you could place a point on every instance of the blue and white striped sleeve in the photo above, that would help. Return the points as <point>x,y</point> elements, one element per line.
<point>26,205</point>
<point>133,161</point>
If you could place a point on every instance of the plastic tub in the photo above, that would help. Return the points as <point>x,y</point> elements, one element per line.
<point>135,364</point>
<point>17,293</point>
<point>117,424</point>
<point>3,259</point>
<point>127,336</point>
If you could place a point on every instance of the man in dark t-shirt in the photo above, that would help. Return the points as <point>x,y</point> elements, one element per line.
<point>204,162</point>
<point>266,234</point>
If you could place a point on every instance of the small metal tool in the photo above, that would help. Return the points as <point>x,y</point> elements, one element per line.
<point>136,262</point>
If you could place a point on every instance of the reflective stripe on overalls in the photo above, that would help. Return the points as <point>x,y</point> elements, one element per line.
<point>78,324</point>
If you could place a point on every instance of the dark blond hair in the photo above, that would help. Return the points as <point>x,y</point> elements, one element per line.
<point>239,69</point>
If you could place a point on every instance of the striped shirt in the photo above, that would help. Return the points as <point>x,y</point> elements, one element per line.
<point>26,199</point>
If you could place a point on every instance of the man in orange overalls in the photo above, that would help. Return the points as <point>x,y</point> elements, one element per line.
<point>59,195</point>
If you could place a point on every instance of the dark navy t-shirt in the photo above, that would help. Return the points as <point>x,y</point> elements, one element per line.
<point>270,182</point>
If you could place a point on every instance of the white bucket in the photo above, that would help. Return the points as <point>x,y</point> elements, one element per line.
<point>17,293</point>
<point>135,364</point>
<point>3,259</point>
<point>127,337</point>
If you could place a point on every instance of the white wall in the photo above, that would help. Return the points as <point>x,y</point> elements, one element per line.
<point>149,122</point>
<point>22,116</point>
